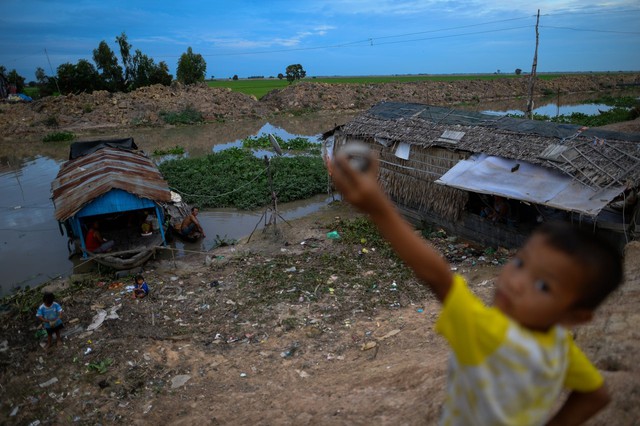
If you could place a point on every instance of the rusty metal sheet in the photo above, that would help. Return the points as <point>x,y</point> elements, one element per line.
<point>86,178</point>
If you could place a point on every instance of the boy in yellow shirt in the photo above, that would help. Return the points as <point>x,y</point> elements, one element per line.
<point>510,361</point>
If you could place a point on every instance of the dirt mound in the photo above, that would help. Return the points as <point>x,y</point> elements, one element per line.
<point>143,107</point>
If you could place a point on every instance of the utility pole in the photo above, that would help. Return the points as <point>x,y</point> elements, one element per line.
<point>532,77</point>
<point>51,68</point>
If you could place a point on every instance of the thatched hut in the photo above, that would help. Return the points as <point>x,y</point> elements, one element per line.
<point>445,167</point>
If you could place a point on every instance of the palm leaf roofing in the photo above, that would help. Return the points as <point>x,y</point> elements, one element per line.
<point>597,158</point>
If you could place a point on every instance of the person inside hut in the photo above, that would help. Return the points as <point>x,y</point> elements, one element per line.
<point>190,225</point>
<point>147,224</point>
<point>95,243</point>
<point>499,212</point>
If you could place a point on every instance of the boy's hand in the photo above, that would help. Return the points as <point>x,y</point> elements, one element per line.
<point>358,188</point>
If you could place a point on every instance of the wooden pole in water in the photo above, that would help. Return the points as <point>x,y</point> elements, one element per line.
<point>532,77</point>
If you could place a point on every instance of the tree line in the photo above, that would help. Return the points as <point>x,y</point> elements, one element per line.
<point>131,71</point>
<point>134,70</point>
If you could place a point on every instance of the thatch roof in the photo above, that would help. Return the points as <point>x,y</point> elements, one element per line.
<point>597,158</point>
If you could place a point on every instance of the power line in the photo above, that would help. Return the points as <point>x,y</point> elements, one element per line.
<point>591,30</point>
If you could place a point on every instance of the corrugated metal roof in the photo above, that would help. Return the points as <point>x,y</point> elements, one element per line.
<point>88,177</point>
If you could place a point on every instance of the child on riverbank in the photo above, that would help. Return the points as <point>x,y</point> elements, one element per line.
<point>141,288</point>
<point>510,361</point>
<point>50,313</point>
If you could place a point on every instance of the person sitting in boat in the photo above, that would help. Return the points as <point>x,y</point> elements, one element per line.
<point>191,224</point>
<point>95,243</point>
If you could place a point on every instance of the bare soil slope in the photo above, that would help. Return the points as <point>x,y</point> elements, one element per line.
<point>143,107</point>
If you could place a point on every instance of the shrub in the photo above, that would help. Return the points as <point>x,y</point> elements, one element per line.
<point>189,115</point>
<point>59,137</point>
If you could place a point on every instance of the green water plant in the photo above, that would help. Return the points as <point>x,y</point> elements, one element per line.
<point>59,137</point>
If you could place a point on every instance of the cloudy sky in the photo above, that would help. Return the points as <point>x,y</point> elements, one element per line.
<point>330,37</point>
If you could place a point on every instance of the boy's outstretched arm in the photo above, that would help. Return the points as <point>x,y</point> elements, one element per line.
<point>580,407</point>
<point>363,191</point>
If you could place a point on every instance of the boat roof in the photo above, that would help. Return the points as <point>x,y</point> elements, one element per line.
<point>82,180</point>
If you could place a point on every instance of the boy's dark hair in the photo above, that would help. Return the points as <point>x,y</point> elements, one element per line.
<point>48,298</point>
<point>598,257</point>
<point>139,277</point>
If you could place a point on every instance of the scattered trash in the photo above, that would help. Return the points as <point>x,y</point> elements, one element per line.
<point>88,351</point>
<point>364,251</point>
<point>333,235</point>
<point>394,286</point>
<point>292,350</point>
<point>331,290</point>
<point>292,269</point>
<point>14,411</point>
<point>39,334</point>
<point>420,310</point>
<point>243,374</point>
<point>102,315</point>
<point>4,346</point>
<point>146,410</point>
<point>214,283</point>
<point>302,374</point>
<point>48,382</point>
<point>389,334</point>
<point>34,423</point>
<point>180,380</point>
<point>368,345</point>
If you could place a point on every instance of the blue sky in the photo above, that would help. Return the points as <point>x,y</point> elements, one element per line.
<point>331,37</point>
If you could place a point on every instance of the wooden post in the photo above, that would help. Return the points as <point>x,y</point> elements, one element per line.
<point>532,77</point>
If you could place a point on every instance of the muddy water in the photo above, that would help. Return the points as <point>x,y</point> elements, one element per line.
<point>32,250</point>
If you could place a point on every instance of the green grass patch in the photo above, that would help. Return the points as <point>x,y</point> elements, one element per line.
<point>59,137</point>
<point>188,115</point>
<point>176,150</point>
<point>236,178</point>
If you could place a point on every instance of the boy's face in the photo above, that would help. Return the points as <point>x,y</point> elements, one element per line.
<point>540,286</point>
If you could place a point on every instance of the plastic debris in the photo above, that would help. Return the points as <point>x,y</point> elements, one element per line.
<point>243,374</point>
<point>88,351</point>
<point>389,334</point>
<point>420,310</point>
<point>103,315</point>
<point>394,286</point>
<point>333,235</point>
<point>180,380</point>
<point>48,382</point>
<point>292,269</point>
<point>14,411</point>
<point>289,352</point>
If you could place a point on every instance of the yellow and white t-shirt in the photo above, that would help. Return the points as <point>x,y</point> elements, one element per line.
<point>501,373</point>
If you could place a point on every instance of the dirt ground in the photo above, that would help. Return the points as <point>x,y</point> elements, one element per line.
<point>292,327</point>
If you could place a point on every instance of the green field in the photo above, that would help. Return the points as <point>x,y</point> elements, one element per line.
<point>260,87</point>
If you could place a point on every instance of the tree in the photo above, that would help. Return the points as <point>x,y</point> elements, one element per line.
<point>280,76</point>
<point>46,85</point>
<point>518,71</point>
<point>235,77</point>
<point>107,63</point>
<point>161,75</point>
<point>16,79</point>
<point>191,67</point>
<point>127,60</point>
<point>295,72</point>
<point>82,77</point>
